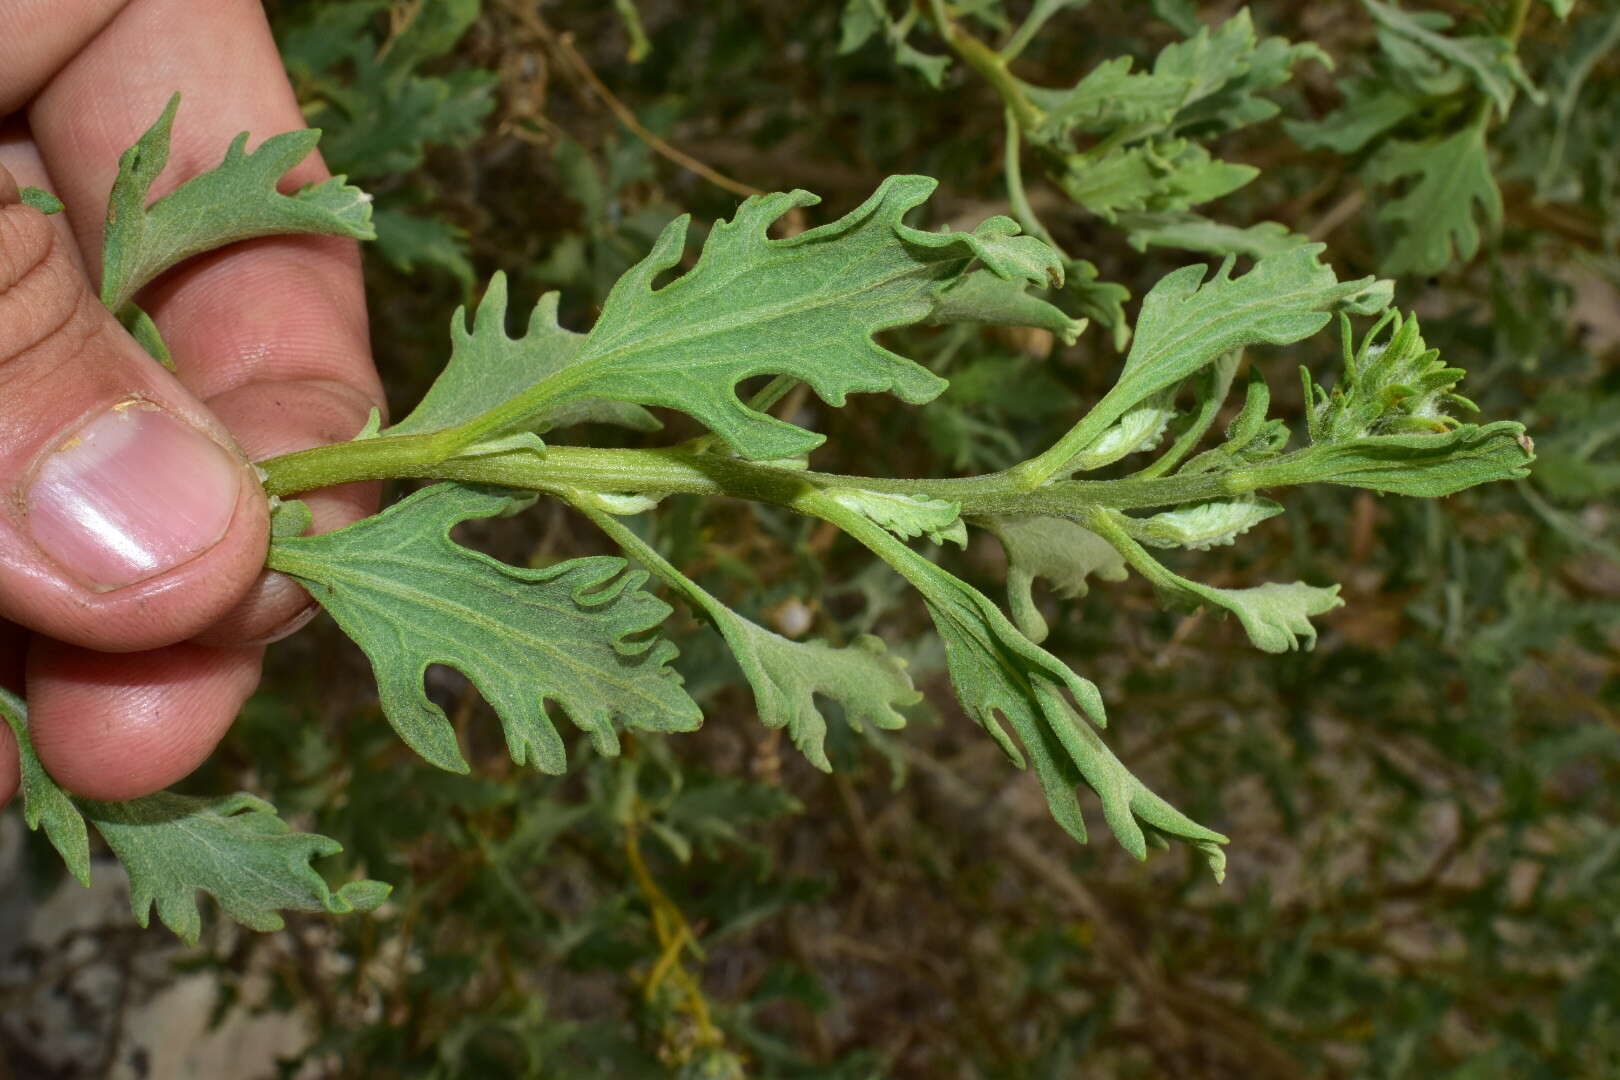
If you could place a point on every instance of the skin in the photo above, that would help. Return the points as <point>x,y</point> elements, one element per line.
<point>130,689</point>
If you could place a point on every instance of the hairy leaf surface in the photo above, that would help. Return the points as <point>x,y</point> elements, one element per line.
<point>234,848</point>
<point>45,804</point>
<point>1489,60</point>
<point>866,680</point>
<point>997,671</point>
<point>41,200</point>
<point>1276,616</point>
<point>1428,466</point>
<point>907,516</point>
<point>235,201</point>
<point>1202,526</point>
<point>487,368</point>
<point>806,306</point>
<point>1194,232</point>
<point>1062,552</point>
<point>1450,185</point>
<point>576,633</point>
<point>1187,323</point>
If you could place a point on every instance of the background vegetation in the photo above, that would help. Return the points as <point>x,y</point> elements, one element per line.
<point>1425,868</point>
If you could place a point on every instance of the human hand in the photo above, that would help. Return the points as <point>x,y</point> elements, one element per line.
<point>134,607</point>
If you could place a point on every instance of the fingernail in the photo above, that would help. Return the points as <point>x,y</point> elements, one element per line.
<point>135,493</point>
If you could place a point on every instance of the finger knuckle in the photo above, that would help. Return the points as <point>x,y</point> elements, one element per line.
<point>42,299</point>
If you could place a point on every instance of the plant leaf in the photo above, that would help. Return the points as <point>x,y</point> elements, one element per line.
<point>1371,107</point>
<point>1488,59</point>
<point>1202,526</point>
<point>1139,430</point>
<point>1187,323</point>
<point>864,18</point>
<point>575,633</point>
<point>1212,79</point>
<point>487,368</point>
<point>383,113</point>
<point>806,306</point>
<point>45,804</point>
<point>1166,176</point>
<point>1435,218</point>
<point>41,200</point>
<point>907,516</point>
<point>996,670</point>
<point>237,200</point>
<point>409,240</point>
<point>1425,465</point>
<point>234,848</point>
<point>982,297</point>
<point>1275,616</point>
<point>1194,232</point>
<point>786,675</point>
<point>1062,552</point>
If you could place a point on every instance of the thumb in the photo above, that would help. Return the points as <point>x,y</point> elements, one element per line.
<point>128,518</point>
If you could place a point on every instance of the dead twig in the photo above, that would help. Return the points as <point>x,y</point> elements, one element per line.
<point>562,47</point>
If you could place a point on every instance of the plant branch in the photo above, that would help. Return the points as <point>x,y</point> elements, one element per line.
<point>1037,18</point>
<point>1017,197</point>
<point>990,65</point>
<point>560,469</point>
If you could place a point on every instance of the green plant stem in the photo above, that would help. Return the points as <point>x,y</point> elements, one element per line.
<point>1517,15</point>
<point>990,65</point>
<point>1038,470</point>
<point>1031,26</point>
<point>561,469</point>
<point>1017,197</point>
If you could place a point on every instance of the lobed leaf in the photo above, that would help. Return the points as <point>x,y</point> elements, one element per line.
<point>1372,107</point>
<point>1064,553</point>
<point>234,848</point>
<point>1167,176</point>
<point>997,671</point>
<point>44,804</point>
<point>867,681</point>
<point>383,111</point>
<point>1275,616</point>
<point>487,368</point>
<point>1212,79</point>
<point>1103,301</point>
<point>237,200</point>
<point>806,306</point>
<point>577,633</point>
<point>864,19</point>
<point>1488,59</point>
<point>1194,232</point>
<point>1450,184</point>
<point>1187,323</point>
